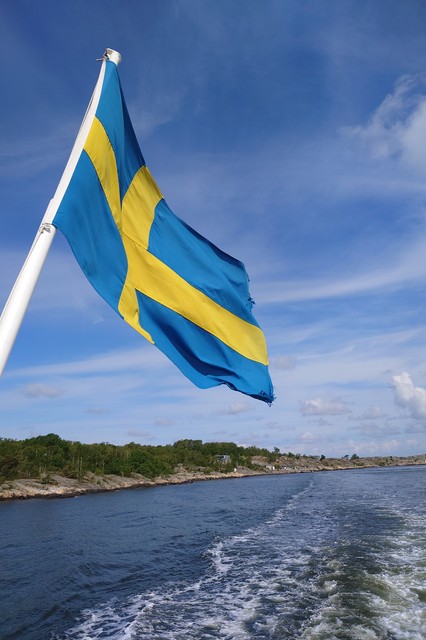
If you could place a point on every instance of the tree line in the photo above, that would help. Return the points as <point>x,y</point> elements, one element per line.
<point>42,456</point>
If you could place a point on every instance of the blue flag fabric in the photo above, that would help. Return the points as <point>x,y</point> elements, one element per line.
<point>169,283</point>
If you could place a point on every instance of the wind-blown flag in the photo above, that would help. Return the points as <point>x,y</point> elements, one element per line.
<point>176,288</point>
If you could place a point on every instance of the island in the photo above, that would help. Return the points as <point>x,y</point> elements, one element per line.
<point>50,467</point>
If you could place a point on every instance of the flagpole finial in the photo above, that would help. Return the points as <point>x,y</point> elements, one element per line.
<point>113,56</point>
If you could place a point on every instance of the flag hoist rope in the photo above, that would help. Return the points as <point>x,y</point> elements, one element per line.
<point>20,296</point>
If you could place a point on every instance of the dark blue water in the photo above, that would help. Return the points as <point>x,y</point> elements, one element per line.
<point>319,556</point>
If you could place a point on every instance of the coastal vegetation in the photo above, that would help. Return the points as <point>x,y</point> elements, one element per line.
<point>42,456</point>
<point>45,456</point>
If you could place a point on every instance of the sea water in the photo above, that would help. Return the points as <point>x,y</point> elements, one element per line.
<point>315,556</point>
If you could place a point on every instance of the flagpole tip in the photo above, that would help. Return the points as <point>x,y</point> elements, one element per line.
<point>113,56</point>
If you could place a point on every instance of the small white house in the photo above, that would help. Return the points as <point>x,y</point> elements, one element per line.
<point>223,458</point>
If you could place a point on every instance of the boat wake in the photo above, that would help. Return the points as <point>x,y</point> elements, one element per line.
<point>308,572</point>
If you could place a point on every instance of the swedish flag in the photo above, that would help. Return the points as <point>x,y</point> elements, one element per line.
<point>169,283</point>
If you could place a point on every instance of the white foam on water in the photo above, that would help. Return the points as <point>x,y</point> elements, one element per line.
<point>218,558</point>
<point>259,583</point>
<point>239,595</point>
<point>394,598</point>
<point>338,630</point>
<point>401,608</point>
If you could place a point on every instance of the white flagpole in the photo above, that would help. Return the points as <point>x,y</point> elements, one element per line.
<point>20,296</point>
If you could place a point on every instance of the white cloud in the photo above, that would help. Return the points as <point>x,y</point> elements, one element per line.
<point>409,397</point>
<point>236,408</point>
<point>323,407</point>
<point>374,448</point>
<point>41,391</point>
<point>397,127</point>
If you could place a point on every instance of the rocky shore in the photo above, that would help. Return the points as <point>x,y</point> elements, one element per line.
<point>61,487</point>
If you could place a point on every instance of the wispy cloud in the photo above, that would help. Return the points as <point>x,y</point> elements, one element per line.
<point>398,126</point>
<point>372,429</point>
<point>285,363</point>
<point>324,407</point>
<point>236,408</point>
<point>324,205</point>
<point>62,287</point>
<point>29,157</point>
<point>145,356</point>
<point>372,413</point>
<point>41,391</point>
<point>376,447</point>
<point>164,422</point>
<point>404,269</point>
<point>140,434</point>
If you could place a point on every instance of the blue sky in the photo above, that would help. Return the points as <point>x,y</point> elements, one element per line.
<point>292,134</point>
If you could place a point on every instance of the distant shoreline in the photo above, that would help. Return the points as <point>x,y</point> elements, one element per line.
<point>61,487</point>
